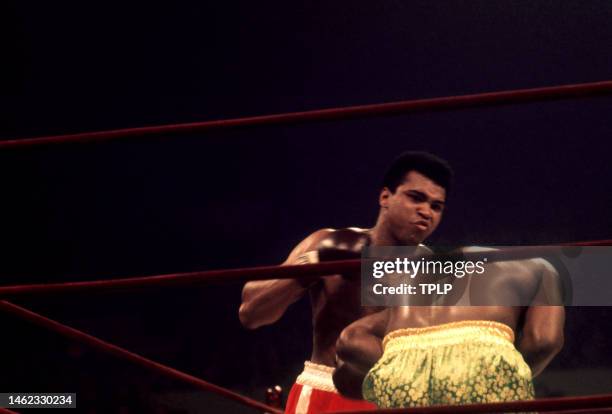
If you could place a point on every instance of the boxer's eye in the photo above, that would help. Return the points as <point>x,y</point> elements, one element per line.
<point>437,207</point>
<point>416,196</point>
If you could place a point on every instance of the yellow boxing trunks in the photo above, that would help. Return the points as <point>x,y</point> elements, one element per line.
<point>455,363</point>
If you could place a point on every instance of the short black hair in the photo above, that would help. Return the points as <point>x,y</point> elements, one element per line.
<point>431,166</point>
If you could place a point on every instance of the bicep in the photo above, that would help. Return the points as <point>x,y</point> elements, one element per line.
<point>545,322</point>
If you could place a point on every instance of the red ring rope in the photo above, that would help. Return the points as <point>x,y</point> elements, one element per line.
<point>262,272</point>
<point>581,404</point>
<point>351,112</point>
<point>542,405</point>
<point>182,279</point>
<point>130,356</point>
<point>577,404</point>
<point>362,111</point>
<point>586,411</point>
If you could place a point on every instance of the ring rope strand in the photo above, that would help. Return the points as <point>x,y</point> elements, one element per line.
<point>584,411</point>
<point>543,405</point>
<point>567,91</point>
<point>306,271</point>
<point>119,352</point>
<point>570,405</point>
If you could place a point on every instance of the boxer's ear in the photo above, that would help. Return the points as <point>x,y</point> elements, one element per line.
<point>383,199</point>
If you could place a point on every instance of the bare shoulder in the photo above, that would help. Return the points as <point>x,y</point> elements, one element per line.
<point>350,238</point>
<point>535,266</point>
<point>544,266</point>
<point>312,241</point>
<point>329,237</point>
<point>319,235</point>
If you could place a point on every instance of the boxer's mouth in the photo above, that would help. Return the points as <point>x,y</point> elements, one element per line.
<point>422,224</point>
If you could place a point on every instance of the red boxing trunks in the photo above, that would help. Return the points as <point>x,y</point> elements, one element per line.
<point>314,392</point>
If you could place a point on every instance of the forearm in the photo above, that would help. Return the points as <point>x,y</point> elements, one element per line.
<point>538,354</point>
<point>542,334</point>
<point>360,349</point>
<point>264,302</point>
<point>357,349</point>
<point>348,379</point>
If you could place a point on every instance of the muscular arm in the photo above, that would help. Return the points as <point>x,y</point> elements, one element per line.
<point>542,335</point>
<point>265,301</point>
<point>358,348</point>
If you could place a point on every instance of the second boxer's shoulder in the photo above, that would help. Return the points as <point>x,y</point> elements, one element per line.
<point>533,266</point>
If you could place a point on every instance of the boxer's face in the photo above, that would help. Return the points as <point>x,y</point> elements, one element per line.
<point>415,209</point>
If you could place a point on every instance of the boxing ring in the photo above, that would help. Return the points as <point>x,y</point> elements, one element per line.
<point>567,405</point>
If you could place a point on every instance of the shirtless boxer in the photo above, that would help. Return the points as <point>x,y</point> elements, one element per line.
<point>461,352</point>
<point>411,205</point>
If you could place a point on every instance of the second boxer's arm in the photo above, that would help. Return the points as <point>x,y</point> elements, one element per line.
<point>542,335</point>
<point>265,301</point>
<point>358,348</point>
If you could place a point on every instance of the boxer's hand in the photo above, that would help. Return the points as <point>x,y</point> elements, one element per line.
<point>328,254</point>
<point>344,244</point>
<point>307,258</point>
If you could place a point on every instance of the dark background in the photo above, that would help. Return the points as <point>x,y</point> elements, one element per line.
<point>526,174</point>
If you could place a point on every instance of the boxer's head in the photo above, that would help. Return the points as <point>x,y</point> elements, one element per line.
<point>413,196</point>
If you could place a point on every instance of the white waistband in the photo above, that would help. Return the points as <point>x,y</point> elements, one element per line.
<point>317,376</point>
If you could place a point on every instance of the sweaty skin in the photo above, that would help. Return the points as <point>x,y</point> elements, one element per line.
<point>529,281</point>
<point>406,217</point>
<point>335,299</point>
